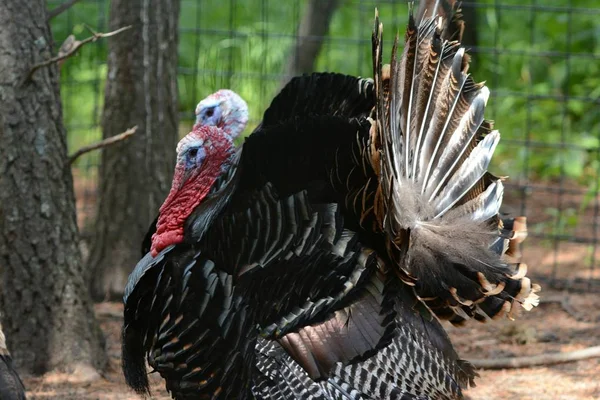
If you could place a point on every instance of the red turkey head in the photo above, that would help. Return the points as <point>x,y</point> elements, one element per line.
<point>225,109</point>
<point>202,156</point>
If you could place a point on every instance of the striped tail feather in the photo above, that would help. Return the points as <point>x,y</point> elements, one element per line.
<point>450,12</point>
<point>431,147</point>
<point>514,232</point>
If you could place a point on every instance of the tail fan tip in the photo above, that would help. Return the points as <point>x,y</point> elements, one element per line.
<point>432,148</point>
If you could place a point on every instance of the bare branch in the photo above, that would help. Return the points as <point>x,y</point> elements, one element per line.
<point>102,143</point>
<point>77,45</point>
<point>61,9</point>
<point>541,359</point>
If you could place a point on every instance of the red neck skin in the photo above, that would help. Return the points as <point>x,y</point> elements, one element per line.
<point>186,195</point>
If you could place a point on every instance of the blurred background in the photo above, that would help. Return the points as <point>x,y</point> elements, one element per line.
<point>541,61</point>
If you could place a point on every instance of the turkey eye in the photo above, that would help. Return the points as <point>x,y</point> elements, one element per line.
<point>210,112</point>
<point>192,153</point>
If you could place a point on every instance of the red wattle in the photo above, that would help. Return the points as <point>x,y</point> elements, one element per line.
<point>184,197</point>
<point>160,241</point>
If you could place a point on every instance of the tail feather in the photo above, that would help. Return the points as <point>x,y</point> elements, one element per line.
<point>442,57</point>
<point>467,176</point>
<point>461,143</point>
<point>515,231</point>
<point>431,147</point>
<point>450,12</point>
<point>431,67</point>
<point>406,84</point>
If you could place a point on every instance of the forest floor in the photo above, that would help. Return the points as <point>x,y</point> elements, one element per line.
<point>566,320</point>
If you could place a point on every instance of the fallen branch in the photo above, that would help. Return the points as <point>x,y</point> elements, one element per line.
<point>541,359</point>
<point>103,143</point>
<point>74,49</point>
<point>61,9</point>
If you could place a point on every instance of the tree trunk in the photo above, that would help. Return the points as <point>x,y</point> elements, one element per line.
<point>48,314</point>
<point>135,176</point>
<point>309,39</point>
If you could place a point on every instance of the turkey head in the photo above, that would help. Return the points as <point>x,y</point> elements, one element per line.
<point>202,156</point>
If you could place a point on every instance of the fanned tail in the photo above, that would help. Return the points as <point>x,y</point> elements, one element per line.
<point>438,204</point>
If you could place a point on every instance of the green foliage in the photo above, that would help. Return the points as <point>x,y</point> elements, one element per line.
<point>235,47</point>
<point>545,84</point>
<point>542,66</point>
<point>83,75</point>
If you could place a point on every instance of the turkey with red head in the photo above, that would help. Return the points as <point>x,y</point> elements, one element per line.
<point>315,260</point>
<point>224,109</point>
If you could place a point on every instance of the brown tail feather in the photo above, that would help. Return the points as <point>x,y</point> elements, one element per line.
<point>451,13</point>
<point>430,146</point>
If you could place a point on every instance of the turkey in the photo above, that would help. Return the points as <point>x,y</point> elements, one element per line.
<point>11,386</point>
<point>315,260</point>
<point>225,109</point>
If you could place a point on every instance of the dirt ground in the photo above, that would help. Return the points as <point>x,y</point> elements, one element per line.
<point>567,319</point>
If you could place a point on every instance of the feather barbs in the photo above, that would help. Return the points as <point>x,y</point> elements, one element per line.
<point>431,147</point>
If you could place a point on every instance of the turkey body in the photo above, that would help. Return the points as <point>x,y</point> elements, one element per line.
<point>305,272</point>
<point>320,260</point>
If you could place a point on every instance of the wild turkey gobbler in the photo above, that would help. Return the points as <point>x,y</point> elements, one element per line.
<point>313,261</point>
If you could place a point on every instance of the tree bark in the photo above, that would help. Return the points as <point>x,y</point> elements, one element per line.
<point>48,314</point>
<point>135,176</point>
<point>311,34</point>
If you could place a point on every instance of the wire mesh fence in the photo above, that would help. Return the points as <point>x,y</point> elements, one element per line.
<point>541,61</point>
